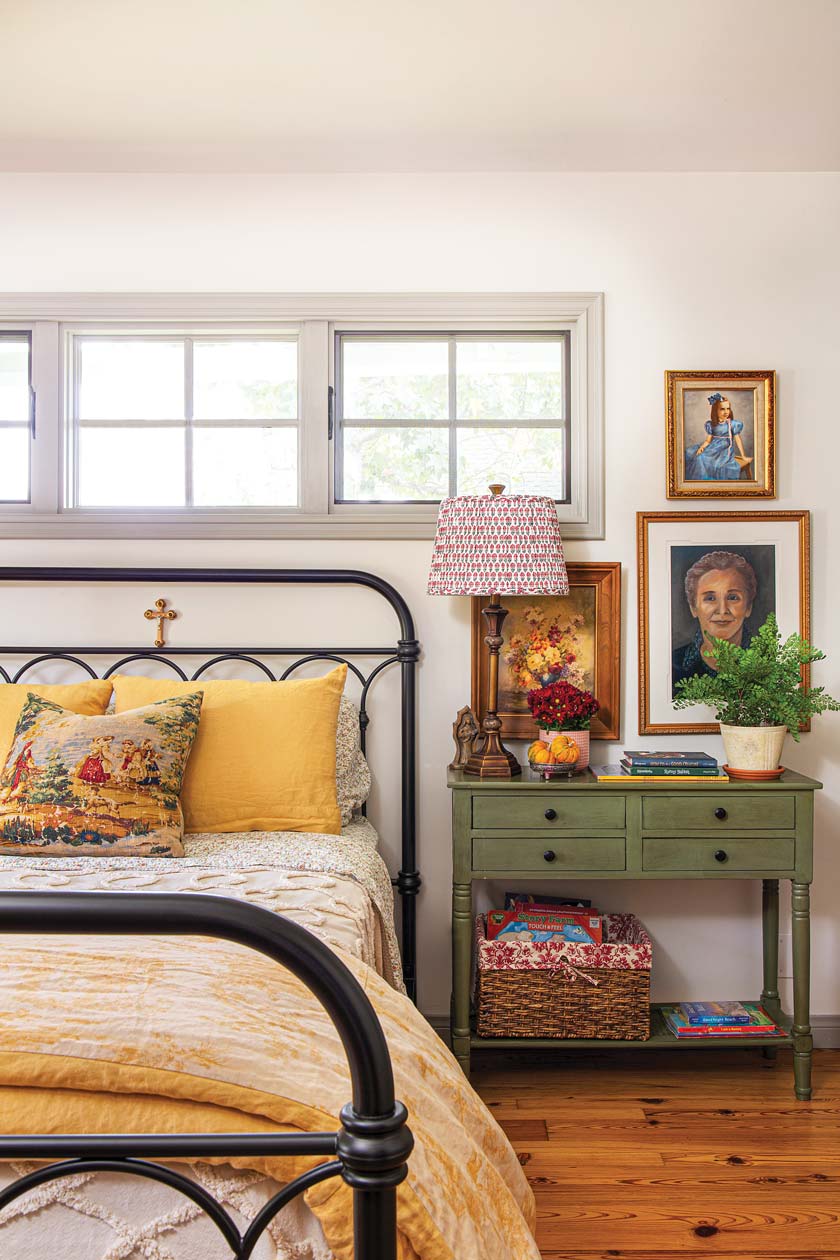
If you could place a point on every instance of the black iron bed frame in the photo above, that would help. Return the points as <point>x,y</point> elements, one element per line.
<point>371,1147</point>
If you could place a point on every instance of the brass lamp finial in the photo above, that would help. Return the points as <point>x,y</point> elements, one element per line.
<point>496,488</point>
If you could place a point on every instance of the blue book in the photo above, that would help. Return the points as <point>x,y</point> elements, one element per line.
<point>710,1014</point>
<point>669,758</point>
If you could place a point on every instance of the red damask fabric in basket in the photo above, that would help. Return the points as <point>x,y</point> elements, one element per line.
<point>626,947</point>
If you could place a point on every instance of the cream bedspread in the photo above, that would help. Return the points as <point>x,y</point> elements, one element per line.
<point>182,1027</point>
<point>337,886</point>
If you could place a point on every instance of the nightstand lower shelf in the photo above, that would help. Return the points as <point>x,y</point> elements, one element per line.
<point>660,1037</point>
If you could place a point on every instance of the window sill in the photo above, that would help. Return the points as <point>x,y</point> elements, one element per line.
<point>163,524</point>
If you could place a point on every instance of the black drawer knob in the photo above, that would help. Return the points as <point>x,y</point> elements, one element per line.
<point>720,813</point>
<point>551,814</point>
<point>549,855</point>
<point>721,855</point>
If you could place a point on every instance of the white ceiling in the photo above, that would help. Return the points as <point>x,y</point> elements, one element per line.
<point>419,85</point>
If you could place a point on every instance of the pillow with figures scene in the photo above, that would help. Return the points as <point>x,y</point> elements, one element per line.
<point>102,786</point>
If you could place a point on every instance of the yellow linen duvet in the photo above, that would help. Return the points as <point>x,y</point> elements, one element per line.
<point>105,1034</point>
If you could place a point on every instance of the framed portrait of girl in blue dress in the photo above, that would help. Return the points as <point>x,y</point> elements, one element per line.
<point>721,434</point>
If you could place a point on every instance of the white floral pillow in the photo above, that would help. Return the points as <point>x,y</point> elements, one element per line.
<point>352,772</point>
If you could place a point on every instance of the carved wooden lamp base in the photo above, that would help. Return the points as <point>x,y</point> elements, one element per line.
<point>490,759</point>
<point>493,761</point>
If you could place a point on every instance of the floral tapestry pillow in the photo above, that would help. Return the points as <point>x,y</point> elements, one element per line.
<point>104,786</point>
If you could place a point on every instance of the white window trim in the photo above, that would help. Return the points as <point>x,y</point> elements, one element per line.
<point>318,316</point>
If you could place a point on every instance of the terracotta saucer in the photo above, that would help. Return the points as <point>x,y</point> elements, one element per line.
<point>756,775</point>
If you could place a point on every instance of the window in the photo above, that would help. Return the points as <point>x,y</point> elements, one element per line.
<point>422,417</point>
<point>183,422</point>
<point>266,415</point>
<point>15,416</point>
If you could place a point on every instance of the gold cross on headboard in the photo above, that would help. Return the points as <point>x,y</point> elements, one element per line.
<point>159,615</point>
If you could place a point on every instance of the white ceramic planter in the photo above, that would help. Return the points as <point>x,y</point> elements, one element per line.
<point>753,747</point>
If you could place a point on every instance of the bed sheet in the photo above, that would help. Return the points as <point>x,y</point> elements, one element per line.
<point>337,886</point>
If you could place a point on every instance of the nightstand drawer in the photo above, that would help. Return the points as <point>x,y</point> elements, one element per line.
<point>717,854</point>
<point>719,811</point>
<point>541,853</point>
<point>550,810</point>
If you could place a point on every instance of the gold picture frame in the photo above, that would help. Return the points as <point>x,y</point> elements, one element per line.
<point>720,423</point>
<point>776,544</point>
<point>595,595</point>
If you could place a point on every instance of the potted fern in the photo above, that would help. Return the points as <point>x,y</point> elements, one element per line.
<point>758,696</point>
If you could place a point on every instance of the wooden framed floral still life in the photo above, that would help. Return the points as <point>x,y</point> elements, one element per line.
<point>576,637</point>
<point>718,574</point>
<point>721,435</point>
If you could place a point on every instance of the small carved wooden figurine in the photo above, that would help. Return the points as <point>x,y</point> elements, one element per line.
<point>464,731</point>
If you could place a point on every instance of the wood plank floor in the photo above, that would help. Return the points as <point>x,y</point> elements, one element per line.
<point>668,1155</point>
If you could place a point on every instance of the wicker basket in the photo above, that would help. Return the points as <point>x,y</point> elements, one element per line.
<point>562,989</point>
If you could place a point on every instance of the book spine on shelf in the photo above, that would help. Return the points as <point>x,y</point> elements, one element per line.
<point>617,774</point>
<point>723,1021</point>
<point>717,1013</point>
<point>662,762</point>
<point>674,772</point>
<point>750,1030</point>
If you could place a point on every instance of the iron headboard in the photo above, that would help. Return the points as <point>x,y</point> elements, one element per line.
<point>405,653</point>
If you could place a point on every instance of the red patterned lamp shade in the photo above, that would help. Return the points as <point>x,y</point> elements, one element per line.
<point>498,544</point>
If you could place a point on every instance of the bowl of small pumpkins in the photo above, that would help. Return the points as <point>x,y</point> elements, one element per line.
<point>555,760</point>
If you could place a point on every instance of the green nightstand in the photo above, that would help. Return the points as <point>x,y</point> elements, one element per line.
<point>581,829</point>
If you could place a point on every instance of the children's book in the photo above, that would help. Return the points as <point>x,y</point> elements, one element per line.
<point>513,900</point>
<point>549,907</point>
<point>573,925</point>
<point>709,1014</point>
<point>760,1025</point>
<point>519,930</point>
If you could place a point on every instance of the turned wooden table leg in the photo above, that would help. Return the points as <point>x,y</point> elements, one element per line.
<point>803,1042</point>
<point>770,999</point>
<point>462,930</point>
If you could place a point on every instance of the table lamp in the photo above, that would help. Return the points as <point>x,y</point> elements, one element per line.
<point>497,544</point>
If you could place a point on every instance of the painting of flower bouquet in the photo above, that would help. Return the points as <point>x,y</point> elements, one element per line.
<point>574,638</point>
<point>550,644</point>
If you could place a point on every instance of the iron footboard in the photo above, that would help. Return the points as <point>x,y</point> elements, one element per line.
<point>370,1148</point>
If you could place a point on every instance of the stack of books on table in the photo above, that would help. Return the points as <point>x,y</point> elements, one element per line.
<point>663,767</point>
<point>719,1019</point>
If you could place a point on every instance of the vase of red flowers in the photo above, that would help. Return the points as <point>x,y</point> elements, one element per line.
<point>562,707</point>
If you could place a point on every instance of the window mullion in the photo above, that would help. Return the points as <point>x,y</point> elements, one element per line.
<point>46,446</point>
<point>453,417</point>
<point>189,486</point>
<point>314,473</point>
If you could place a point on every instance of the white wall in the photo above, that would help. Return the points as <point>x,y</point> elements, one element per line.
<point>699,271</point>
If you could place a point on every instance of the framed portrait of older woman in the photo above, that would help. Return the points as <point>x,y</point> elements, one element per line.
<point>721,435</point>
<point>705,575</point>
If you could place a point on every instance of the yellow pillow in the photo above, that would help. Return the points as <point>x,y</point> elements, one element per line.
<point>264,755</point>
<point>90,698</point>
